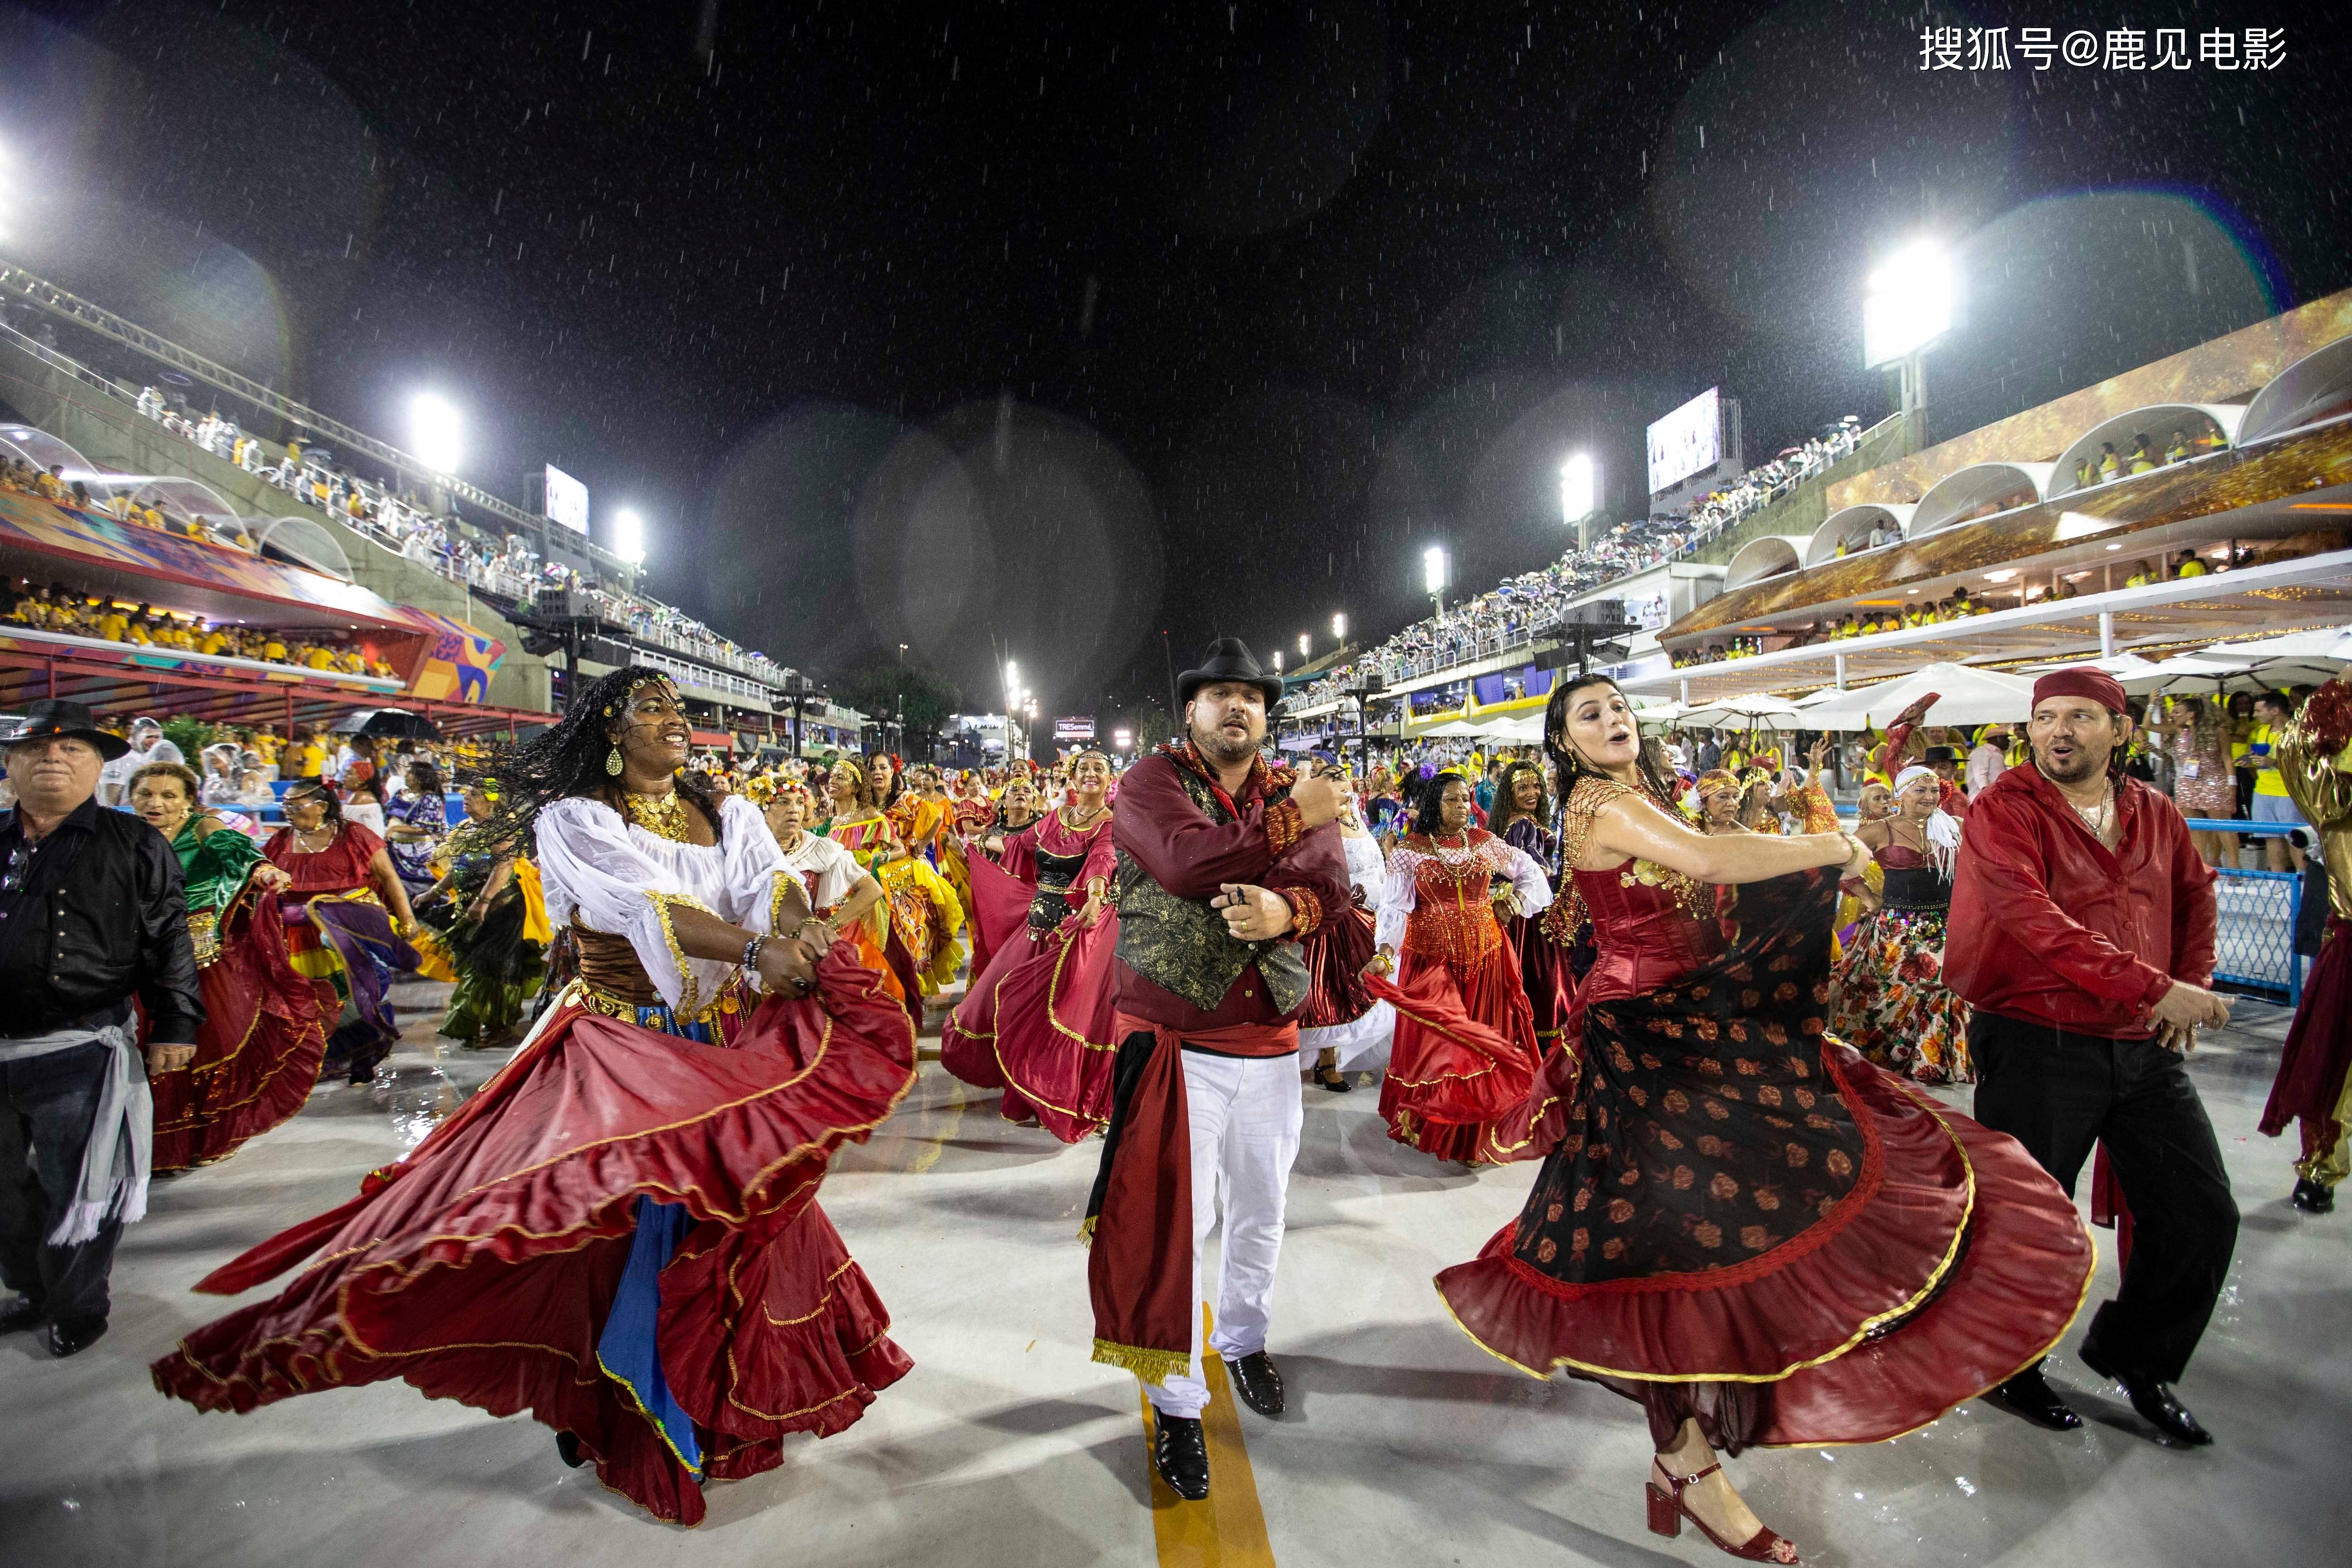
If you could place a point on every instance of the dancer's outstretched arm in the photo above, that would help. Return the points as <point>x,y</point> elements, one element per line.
<point>1629,827</point>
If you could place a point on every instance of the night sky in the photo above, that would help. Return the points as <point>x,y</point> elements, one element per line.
<point>1042,328</point>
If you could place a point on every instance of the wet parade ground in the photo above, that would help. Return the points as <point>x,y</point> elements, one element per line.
<point>1403,1442</point>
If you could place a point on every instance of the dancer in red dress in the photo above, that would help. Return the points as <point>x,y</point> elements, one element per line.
<point>1037,1022</point>
<point>619,1232</point>
<point>347,922</point>
<point>1444,1082</point>
<point>1739,1223</point>
<point>259,1051</point>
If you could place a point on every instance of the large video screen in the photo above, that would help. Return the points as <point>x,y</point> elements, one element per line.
<point>567,500</point>
<point>1688,440</point>
<point>1082,729</point>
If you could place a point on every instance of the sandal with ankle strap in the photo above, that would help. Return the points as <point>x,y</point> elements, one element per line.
<point>1667,1510</point>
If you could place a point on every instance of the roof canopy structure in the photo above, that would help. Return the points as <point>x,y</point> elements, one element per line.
<point>2158,422</point>
<point>2315,387</point>
<point>1767,556</point>
<point>1851,526</point>
<point>1981,489</point>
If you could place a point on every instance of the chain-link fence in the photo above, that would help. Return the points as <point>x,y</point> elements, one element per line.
<point>2254,942</point>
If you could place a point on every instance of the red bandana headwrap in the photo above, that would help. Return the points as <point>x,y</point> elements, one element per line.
<point>2081,680</point>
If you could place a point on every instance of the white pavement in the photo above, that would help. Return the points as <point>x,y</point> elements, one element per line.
<point>1404,1443</point>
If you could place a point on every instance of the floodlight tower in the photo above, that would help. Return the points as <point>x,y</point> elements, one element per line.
<point>1908,305</point>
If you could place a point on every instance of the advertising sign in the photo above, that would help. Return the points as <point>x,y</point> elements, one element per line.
<point>1688,440</point>
<point>567,500</point>
<point>1069,730</point>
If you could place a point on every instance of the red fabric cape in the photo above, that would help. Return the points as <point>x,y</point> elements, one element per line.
<point>1141,1207</point>
<point>2310,1069</point>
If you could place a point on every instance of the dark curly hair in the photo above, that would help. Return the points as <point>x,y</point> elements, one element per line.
<point>1426,820</point>
<point>1507,798</point>
<point>568,758</point>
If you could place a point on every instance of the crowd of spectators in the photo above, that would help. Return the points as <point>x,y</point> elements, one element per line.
<point>58,608</point>
<point>506,568</point>
<point>1513,613</point>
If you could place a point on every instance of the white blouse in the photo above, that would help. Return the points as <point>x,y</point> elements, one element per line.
<point>1530,888</point>
<point>1364,866</point>
<point>610,875</point>
<point>833,870</point>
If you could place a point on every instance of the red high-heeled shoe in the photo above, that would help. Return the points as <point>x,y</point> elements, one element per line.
<point>1668,1511</point>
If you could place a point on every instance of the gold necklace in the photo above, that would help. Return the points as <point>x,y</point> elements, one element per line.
<point>1087,821</point>
<point>663,815</point>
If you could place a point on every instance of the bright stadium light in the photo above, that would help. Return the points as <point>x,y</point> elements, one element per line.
<point>1305,644</point>
<point>1340,628</point>
<point>629,537</point>
<point>1433,569</point>
<point>434,430</point>
<point>1908,303</point>
<point>1278,661</point>
<point>1579,487</point>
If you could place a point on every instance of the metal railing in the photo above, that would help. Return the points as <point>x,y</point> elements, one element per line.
<point>461,566</point>
<point>36,290</point>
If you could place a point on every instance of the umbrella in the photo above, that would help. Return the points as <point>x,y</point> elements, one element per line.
<point>2196,674</point>
<point>1755,710</point>
<point>387,724</point>
<point>2299,659</point>
<point>2332,644</point>
<point>1965,696</point>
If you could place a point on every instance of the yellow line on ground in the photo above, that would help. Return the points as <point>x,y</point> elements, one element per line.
<point>1226,1528</point>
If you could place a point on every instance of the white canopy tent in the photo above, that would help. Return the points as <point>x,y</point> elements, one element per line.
<point>1964,696</point>
<point>1756,711</point>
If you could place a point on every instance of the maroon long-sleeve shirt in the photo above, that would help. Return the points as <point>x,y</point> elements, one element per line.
<point>2049,926</point>
<point>1191,855</point>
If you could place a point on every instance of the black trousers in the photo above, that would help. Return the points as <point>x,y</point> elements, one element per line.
<point>2061,1094</point>
<point>47,1104</point>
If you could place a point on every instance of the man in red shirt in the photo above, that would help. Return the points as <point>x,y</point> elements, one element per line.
<point>2081,933</point>
<point>1224,865</point>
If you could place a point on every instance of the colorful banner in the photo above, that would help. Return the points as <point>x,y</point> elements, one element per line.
<point>458,659</point>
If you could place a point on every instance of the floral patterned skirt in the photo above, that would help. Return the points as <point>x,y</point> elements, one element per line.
<point>1893,1005</point>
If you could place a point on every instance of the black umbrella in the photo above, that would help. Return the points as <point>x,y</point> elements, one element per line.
<point>387,724</point>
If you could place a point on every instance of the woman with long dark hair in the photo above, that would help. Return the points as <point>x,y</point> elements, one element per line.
<point>1522,818</point>
<point>1439,933</point>
<point>619,1231</point>
<point>1740,1223</point>
<point>347,924</point>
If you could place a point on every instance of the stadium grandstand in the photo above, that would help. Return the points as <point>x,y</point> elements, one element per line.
<point>2204,497</point>
<point>162,556</point>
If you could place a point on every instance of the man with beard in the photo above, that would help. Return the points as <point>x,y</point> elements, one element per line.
<point>1224,865</point>
<point>2082,932</point>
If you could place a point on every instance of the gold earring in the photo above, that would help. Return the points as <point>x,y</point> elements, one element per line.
<point>613,762</point>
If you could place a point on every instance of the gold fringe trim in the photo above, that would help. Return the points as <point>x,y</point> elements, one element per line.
<point>1151,1366</point>
<point>1086,1230</point>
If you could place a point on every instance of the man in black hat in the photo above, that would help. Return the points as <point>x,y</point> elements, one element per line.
<point>1224,865</point>
<point>91,912</point>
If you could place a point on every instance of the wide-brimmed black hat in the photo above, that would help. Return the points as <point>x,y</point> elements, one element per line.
<point>1229,658</point>
<point>55,716</point>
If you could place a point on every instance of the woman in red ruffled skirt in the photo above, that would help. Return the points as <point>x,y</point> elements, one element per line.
<point>1739,1222</point>
<point>619,1232</point>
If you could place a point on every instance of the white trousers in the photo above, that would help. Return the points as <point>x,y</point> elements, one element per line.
<point>1245,1115</point>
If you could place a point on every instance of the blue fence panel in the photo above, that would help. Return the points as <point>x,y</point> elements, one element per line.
<point>2253,942</point>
